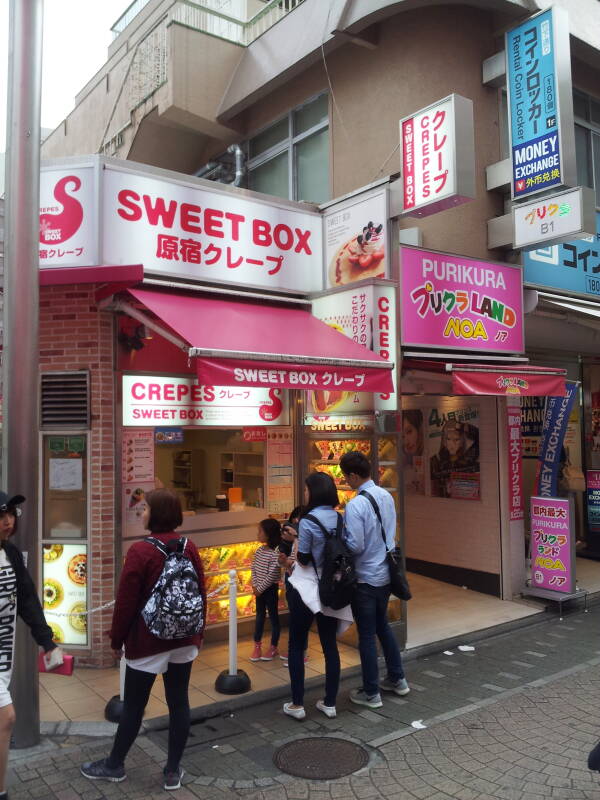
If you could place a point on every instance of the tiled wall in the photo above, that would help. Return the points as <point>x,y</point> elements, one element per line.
<point>75,335</point>
<point>461,533</point>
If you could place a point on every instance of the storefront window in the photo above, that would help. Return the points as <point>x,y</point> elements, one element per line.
<point>312,159</point>
<point>64,522</point>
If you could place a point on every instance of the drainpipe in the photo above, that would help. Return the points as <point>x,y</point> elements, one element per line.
<point>240,167</point>
<point>212,165</point>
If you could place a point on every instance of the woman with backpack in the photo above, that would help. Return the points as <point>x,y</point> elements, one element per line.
<point>147,655</point>
<point>320,500</point>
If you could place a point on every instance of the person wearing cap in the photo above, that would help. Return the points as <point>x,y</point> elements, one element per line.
<point>18,595</point>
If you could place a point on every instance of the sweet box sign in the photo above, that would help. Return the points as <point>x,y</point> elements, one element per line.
<point>99,211</point>
<point>438,156</point>
<point>452,302</point>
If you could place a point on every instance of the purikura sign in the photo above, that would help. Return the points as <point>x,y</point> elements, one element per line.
<point>551,563</point>
<point>438,161</point>
<point>176,225</point>
<point>183,401</point>
<point>452,302</point>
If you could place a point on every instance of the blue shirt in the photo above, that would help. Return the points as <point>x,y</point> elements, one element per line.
<point>362,533</point>
<point>311,538</point>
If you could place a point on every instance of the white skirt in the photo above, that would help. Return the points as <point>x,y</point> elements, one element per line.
<point>304,579</point>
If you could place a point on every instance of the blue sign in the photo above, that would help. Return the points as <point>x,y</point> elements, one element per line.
<point>574,266</point>
<point>533,106</point>
<point>558,411</point>
<point>532,415</point>
<point>168,435</point>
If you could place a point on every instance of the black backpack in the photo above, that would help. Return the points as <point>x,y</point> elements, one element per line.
<point>337,583</point>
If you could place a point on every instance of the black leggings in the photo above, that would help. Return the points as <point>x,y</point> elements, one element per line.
<point>138,686</point>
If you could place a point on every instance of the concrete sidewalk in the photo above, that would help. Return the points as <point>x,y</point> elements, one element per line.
<point>512,719</point>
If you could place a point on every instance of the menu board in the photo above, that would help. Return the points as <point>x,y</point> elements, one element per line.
<point>133,505</point>
<point>138,455</point>
<point>65,592</point>
<point>280,471</point>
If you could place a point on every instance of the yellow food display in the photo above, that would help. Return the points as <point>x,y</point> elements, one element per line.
<point>52,552</point>
<point>58,635</point>
<point>77,618</point>
<point>53,593</point>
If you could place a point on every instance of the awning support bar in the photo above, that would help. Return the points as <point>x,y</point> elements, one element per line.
<point>135,313</point>
<point>287,358</point>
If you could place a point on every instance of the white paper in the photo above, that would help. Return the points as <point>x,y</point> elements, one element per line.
<point>418,724</point>
<point>465,648</point>
<point>66,474</point>
<point>448,653</point>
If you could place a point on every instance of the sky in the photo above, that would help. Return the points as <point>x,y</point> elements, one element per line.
<point>76,38</point>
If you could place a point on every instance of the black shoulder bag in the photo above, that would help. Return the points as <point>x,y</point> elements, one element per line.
<point>398,582</point>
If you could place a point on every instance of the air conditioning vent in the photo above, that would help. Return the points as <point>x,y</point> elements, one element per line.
<point>65,401</point>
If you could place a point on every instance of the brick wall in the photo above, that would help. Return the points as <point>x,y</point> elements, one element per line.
<point>75,335</point>
<point>460,533</point>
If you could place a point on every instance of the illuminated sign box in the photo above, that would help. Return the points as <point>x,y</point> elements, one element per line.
<point>438,157</point>
<point>557,218</point>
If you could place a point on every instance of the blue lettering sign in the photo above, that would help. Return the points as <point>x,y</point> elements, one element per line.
<point>574,266</point>
<point>533,110</point>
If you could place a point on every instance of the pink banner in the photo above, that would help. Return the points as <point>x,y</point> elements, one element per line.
<point>507,382</point>
<point>515,471</point>
<point>231,372</point>
<point>551,566</point>
<point>453,302</point>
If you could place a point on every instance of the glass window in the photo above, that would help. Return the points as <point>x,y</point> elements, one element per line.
<point>583,153</point>
<point>267,139</point>
<point>65,487</point>
<point>306,117</point>
<point>272,177</point>
<point>581,107</point>
<point>312,168</point>
<point>595,115</point>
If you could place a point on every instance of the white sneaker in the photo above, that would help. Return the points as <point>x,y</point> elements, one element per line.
<point>296,713</point>
<point>329,711</point>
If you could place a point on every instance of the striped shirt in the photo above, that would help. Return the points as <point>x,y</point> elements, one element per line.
<point>265,569</point>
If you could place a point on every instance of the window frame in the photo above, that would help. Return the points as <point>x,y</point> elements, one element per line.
<point>594,130</point>
<point>287,145</point>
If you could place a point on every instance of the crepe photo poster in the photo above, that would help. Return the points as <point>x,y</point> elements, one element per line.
<point>413,450</point>
<point>453,449</point>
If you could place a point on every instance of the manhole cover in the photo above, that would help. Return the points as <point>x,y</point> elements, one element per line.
<point>320,757</point>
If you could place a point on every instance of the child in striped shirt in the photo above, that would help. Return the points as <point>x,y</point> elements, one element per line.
<point>266,574</point>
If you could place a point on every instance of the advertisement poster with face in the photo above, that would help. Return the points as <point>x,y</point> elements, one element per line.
<point>453,445</point>
<point>413,447</point>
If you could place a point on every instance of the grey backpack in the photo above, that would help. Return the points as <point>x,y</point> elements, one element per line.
<point>175,609</point>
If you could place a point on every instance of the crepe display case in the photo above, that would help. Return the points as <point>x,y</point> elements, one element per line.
<point>324,456</point>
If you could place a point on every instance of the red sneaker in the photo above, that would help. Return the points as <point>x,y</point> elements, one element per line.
<point>271,653</point>
<point>257,652</point>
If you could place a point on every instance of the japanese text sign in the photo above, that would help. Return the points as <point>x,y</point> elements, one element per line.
<point>182,401</point>
<point>556,421</point>
<point>515,472</point>
<point>553,219</point>
<point>176,225</point>
<point>231,372</point>
<point>551,566</point>
<point>539,87</point>
<point>574,265</point>
<point>454,302</point>
<point>438,156</point>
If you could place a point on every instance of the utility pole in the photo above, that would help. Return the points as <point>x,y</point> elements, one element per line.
<point>20,438</point>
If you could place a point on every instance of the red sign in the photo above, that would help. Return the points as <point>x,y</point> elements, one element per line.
<point>507,383</point>
<point>515,471</point>
<point>231,372</point>
<point>254,434</point>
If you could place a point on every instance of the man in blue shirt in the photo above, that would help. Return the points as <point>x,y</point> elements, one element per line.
<point>363,536</point>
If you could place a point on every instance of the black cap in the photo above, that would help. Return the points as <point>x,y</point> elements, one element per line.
<point>7,502</point>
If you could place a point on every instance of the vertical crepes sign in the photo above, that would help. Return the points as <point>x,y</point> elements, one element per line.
<point>540,104</point>
<point>437,147</point>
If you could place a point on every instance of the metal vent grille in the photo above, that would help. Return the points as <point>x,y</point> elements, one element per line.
<point>65,401</point>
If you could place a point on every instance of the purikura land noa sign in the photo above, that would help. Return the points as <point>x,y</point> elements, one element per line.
<point>456,303</point>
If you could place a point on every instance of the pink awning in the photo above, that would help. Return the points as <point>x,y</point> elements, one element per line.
<point>512,380</point>
<point>244,343</point>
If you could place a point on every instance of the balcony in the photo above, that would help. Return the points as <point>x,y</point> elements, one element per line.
<point>208,17</point>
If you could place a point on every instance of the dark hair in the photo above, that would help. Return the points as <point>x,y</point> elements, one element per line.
<point>295,514</point>
<point>272,530</point>
<point>165,511</point>
<point>15,512</point>
<point>321,491</point>
<point>357,463</point>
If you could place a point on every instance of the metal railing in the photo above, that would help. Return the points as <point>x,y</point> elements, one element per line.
<point>208,17</point>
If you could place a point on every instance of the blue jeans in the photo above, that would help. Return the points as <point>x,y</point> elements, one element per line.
<point>370,614</point>
<point>267,602</point>
<point>301,618</point>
